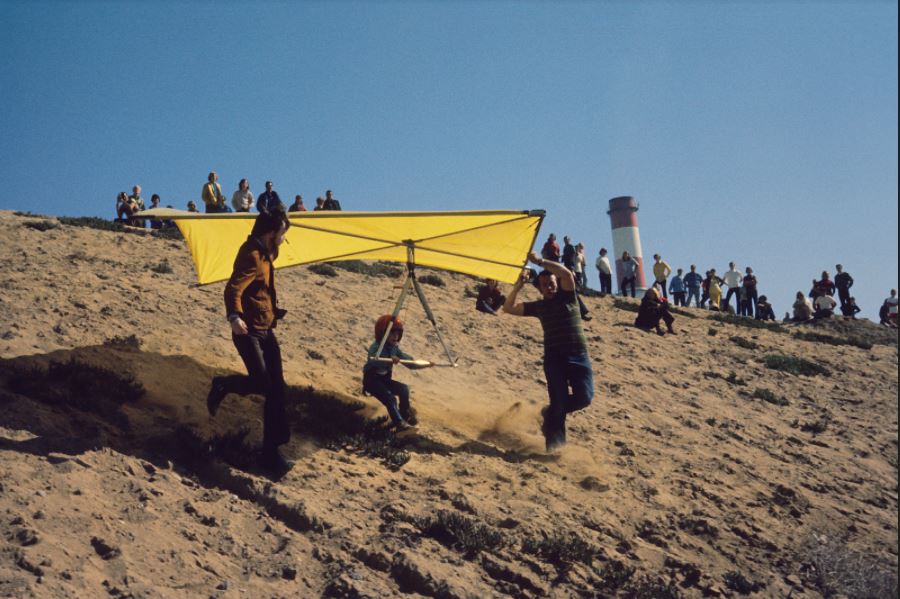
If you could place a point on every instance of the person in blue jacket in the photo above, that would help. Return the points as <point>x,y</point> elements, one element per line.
<point>677,289</point>
<point>693,282</point>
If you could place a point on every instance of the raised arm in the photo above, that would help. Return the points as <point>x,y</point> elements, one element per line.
<point>563,275</point>
<point>511,306</point>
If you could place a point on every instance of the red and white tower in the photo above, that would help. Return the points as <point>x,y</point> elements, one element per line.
<point>623,216</point>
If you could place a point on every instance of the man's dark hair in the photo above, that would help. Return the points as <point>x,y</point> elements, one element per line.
<point>269,221</point>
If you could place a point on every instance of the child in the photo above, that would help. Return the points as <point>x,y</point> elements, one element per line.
<point>377,379</point>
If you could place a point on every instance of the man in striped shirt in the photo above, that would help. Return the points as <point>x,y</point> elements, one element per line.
<point>566,360</point>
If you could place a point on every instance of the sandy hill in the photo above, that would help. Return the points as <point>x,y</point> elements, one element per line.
<point>724,461</point>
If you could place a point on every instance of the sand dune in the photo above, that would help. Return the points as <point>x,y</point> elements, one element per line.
<point>698,471</point>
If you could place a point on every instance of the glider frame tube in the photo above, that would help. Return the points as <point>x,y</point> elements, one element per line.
<point>411,283</point>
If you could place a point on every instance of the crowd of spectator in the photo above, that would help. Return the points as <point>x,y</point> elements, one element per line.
<point>740,288</point>
<point>213,199</point>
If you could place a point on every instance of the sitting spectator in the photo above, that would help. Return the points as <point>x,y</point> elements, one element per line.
<point>490,300</point>
<point>138,202</point>
<point>320,204</point>
<point>297,206</point>
<point>154,203</point>
<point>890,308</point>
<point>764,310</point>
<point>242,198</point>
<point>850,309</point>
<point>212,196</point>
<point>654,308</point>
<point>803,308</point>
<point>330,203</point>
<point>825,305</point>
<point>677,289</point>
<point>192,207</point>
<point>122,206</point>
<point>127,210</point>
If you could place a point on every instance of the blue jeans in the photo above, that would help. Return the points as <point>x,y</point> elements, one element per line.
<point>387,391</point>
<point>693,292</point>
<point>563,372</point>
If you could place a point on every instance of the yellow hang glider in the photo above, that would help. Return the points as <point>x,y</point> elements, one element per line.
<point>492,244</point>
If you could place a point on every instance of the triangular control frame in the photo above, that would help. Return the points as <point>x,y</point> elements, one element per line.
<point>411,283</point>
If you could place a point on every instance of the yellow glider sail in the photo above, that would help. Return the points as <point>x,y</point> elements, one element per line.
<point>482,243</point>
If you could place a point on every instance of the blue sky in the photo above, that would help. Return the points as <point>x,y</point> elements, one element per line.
<point>764,133</point>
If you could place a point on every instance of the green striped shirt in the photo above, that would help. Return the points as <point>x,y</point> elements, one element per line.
<point>561,320</point>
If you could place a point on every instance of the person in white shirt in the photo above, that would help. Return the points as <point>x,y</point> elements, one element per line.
<point>242,199</point>
<point>605,271</point>
<point>825,305</point>
<point>734,279</point>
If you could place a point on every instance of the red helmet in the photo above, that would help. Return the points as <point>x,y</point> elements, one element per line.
<point>381,326</point>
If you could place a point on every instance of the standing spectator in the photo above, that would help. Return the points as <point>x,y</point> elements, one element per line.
<point>568,255</point>
<point>629,274</point>
<point>746,309</point>
<point>330,203</point>
<point>297,206</point>
<point>653,309</point>
<point>192,207</point>
<point>734,280</point>
<point>714,285</point>
<point>824,305</point>
<point>823,286</point>
<point>550,251</point>
<point>676,286</point>
<point>764,310</point>
<point>850,309</point>
<point>490,299</point>
<point>242,198</point>
<point>604,269</point>
<point>750,292</point>
<point>320,204</point>
<point>268,200</point>
<point>578,269</point>
<point>661,271</point>
<point>154,203</point>
<point>566,360</point>
<point>843,281</point>
<point>211,194</point>
<point>890,305</point>
<point>803,308</point>
<point>692,283</point>
<point>705,287</point>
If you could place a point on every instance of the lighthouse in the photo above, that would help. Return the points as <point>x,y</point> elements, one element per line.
<point>626,238</point>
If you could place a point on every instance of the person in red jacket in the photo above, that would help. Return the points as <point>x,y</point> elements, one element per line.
<point>550,251</point>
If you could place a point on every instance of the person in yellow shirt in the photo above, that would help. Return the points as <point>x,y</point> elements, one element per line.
<point>212,195</point>
<point>661,271</point>
<point>715,291</point>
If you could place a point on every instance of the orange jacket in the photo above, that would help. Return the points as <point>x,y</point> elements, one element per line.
<point>250,293</point>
